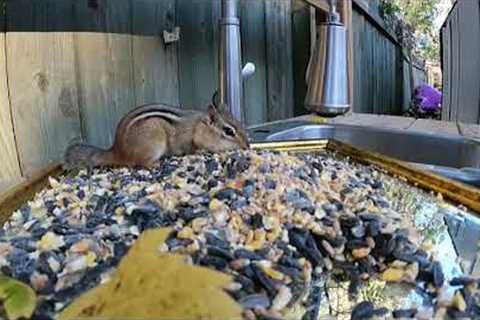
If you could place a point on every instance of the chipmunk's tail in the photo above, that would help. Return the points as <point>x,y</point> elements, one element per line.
<point>83,155</point>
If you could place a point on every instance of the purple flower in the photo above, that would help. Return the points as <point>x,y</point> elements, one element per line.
<point>428,98</point>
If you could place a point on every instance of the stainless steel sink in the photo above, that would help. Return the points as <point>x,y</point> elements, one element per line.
<point>450,156</point>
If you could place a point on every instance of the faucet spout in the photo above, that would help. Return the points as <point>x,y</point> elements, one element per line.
<point>230,60</point>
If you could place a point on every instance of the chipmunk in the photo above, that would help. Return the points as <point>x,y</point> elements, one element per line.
<point>150,132</point>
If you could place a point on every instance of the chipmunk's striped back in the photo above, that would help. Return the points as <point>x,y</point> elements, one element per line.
<point>170,114</point>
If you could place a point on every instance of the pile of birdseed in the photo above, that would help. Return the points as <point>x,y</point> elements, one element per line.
<point>278,223</point>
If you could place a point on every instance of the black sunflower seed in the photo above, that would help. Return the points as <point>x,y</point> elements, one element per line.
<point>254,301</point>
<point>219,252</point>
<point>264,280</point>
<point>438,277</point>
<point>404,313</point>
<point>363,310</point>
<point>463,281</point>
<point>303,241</point>
<point>246,254</point>
<point>213,261</point>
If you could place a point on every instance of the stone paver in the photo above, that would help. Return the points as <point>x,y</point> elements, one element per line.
<point>470,131</point>
<point>434,126</point>
<point>374,120</point>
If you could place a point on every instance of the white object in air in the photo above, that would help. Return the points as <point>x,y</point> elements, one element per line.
<point>248,70</point>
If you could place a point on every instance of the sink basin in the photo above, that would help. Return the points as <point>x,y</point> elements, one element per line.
<point>450,156</point>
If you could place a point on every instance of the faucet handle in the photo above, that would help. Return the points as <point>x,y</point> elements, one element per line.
<point>248,70</point>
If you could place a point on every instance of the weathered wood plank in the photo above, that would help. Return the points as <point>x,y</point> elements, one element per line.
<point>14,197</point>
<point>319,4</point>
<point>279,58</point>
<point>399,84</point>
<point>252,24</point>
<point>446,74</point>
<point>378,68</point>
<point>155,64</point>
<point>358,59</point>
<point>460,44</point>
<point>41,72</point>
<point>313,28</point>
<point>362,94</point>
<point>370,71</point>
<point>455,67</point>
<point>371,12</point>
<point>356,106</point>
<point>301,56</point>
<point>469,48</point>
<point>104,67</point>
<point>198,51</point>
<point>9,165</point>
<point>374,62</point>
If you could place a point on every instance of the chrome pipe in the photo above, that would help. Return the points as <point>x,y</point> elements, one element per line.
<point>230,60</point>
<point>327,73</point>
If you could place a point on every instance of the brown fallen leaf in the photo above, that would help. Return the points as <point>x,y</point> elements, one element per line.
<point>151,285</point>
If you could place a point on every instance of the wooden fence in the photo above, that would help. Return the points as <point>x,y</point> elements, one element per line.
<point>460,36</point>
<point>381,70</point>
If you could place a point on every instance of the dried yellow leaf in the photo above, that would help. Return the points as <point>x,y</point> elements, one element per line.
<point>152,285</point>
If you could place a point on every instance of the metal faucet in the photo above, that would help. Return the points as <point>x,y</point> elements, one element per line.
<point>230,60</point>
<point>231,74</point>
<point>327,72</point>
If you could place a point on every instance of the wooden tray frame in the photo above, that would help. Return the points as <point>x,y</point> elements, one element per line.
<point>454,191</point>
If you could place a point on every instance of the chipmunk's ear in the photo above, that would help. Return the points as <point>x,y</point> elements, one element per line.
<point>221,107</point>
<point>212,113</point>
<point>216,99</point>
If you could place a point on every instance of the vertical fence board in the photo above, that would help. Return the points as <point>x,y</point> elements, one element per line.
<point>301,56</point>
<point>460,63</point>
<point>371,68</point>
<point>381,75</point>
<point>155,63</point>
<point>279,57</point>
<point>358,102</point>
<point>445,34</point>
<point>198,51</point>
<point>365,67</point>
<point>455,67</point>
<point>41,74</point>
<point>9,166</point>
<point>468,34</point>
<point>104,67</point>
<point>252,23</point>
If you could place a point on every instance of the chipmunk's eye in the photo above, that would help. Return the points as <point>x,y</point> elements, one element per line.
<point>229,131</point>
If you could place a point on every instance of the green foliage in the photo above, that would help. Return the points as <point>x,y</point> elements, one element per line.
<point>18,299</point>
<point>413,21</point>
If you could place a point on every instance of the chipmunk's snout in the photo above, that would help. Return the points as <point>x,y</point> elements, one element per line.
<point>244,142</point>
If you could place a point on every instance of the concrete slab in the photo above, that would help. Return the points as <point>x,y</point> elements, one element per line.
<point>470,131</point>
<point>373,120</point>
<point>434,126</point>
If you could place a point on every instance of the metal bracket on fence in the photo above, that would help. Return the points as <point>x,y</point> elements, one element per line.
<point>170,37</point>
